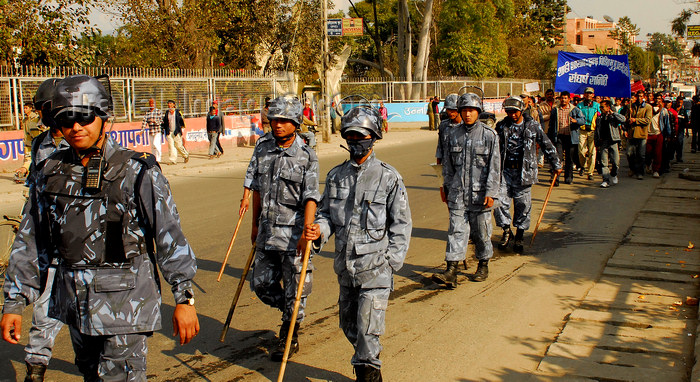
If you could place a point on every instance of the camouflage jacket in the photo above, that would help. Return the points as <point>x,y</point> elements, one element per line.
<point>366,206</point>
<point>471,167</point>
<point>443,137</point>
<point>31,124</point>
<point>286,179</point>
<point>531,135</point>
<point>42,147</point>
<point>115,230</point>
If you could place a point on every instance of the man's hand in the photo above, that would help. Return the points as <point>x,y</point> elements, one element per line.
<point>21,171</point>
<point>488,202</point>
<point>443,196</point>
<point>245,202</point>
<point>572,119</point>
<point>633,120</point>
<point>11,326</point>
<point>558,172</point>
<point>253,233</point>
<point>185,322</point>
<point>301,246</point>
<point>312,232</point>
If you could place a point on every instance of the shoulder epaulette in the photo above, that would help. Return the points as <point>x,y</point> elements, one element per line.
<point>147,159</point>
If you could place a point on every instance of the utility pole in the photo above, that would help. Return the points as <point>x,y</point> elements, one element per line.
<point>326,99</point>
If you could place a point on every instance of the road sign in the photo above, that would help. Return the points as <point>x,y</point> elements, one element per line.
<point>693,32</point>
<point>334,27</point>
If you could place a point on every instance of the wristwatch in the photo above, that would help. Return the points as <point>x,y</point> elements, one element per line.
<point>189,298</point>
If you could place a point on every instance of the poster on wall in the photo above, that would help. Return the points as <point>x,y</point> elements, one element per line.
<point>607,74</point>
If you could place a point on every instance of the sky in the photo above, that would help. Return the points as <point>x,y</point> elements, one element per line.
<point>650,15</point>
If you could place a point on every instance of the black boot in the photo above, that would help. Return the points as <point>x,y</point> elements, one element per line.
<point>278,353</point>
<point>366,373</point>
<point>449,276</point>
<point>35,373</point>
<point>506,238</point>
<point>482,271</point>
<point>518,246</point>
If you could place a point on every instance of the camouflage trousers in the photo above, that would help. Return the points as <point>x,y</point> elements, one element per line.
<point>466,224</point>
<point>275,281</point>
<point>44,328</point>
<point>362,315</point>
<point>522,203</point>
<point>120,357</point>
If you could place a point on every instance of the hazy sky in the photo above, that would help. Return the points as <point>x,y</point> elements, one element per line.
<point>649,15</point>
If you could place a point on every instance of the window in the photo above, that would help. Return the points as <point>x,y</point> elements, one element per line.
<point>578,39</point>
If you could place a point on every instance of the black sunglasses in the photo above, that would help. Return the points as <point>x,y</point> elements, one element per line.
<point>68,120</point>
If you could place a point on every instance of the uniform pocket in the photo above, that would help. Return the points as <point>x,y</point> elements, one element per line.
<point>375,209</point>
<point>337,199</point>
<point>116,280</point>
<point>289,188</point>
<point>376,316</point>
<point>481,156</point>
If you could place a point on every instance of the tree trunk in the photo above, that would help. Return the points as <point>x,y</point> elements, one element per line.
<point>378,40</point>
<point>422,57</point>
<point>404,48</point>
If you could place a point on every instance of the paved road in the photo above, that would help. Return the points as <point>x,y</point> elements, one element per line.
<point>496,330</point>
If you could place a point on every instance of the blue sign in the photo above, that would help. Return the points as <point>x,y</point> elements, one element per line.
<point>608,75</point>
<point>334,27</point>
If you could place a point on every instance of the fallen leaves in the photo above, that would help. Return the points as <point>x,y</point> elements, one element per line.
<point>691,245</point>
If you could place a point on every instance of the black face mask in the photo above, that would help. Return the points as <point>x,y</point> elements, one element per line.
<point>360,148</point>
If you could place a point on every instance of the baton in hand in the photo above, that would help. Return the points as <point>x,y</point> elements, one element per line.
<point>544,205</point>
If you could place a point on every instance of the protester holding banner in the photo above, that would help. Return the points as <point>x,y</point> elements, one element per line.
<point>638,121</point>
<point>586,145</point>
<point>564,121</point>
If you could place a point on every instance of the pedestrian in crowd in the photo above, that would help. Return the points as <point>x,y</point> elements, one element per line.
<point>575,101</point>
<point>213,128</point>
<point>222,129</point>
<point>607,139</point>
<point>453,119</point>
<point>173,123</point>
<point>695,124</point>
<point>472,176</point>
<point>638,122</point>
<point>659,127</point>
<point>334,118</point>
<point>545,107</point>
<point>105,286</point>
<point>263,116</point>
<point>530,108</point>
<point>366,206</point>
<point>435,104</point>
<point>518,136</point>
<point>32,127</point>
<point>308,122</point>
<point>153,121</point>
<point>564,122</point>
<point>683,120</point>
<point>283,175</point>
<point>431,114</point>
<point>385,116</point>
<point>586,145</point>
<point>670,136</point>
<point>617,107</point>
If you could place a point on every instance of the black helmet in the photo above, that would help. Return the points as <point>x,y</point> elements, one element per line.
<point>451,101</point>
<point>286,107</point>
<point>362,119</point>
<point>469,100</point>
<point>513,103</point>
<point>44,94</point>
<point>81,94</point>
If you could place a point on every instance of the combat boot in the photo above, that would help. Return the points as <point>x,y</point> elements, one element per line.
<point>505,239</point>
<point>366,373</point>
<point>482,271</point>
<point>449,276</point>
<point>278,353</point>
<point>518,246</point>
<point>35,373</point>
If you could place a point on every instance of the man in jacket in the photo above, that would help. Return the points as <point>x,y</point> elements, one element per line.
<point>153,121</point>
<point>564,122</point>
<point>659,129</point>
<point>586,145</point>
<point>607,138</point>
<point>638,121</point>
<point>519,136</point>
<point>471,171</point>
<point>366,206</point>
<point>173,123</point>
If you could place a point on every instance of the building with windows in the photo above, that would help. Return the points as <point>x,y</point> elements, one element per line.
<point>588,35</point>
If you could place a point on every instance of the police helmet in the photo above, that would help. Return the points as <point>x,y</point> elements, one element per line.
<point>513,103</point>
<point>362,119</point>
<point>286,107</point>
<point>44,94</point>
<point>81,94</point>
<point>451,101</point>
<point>469,100</point>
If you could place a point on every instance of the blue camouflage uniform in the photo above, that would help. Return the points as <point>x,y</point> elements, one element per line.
<point>518,144</point>
<point>107,244</point>
<point>286,179</point>
<point>471,172</point>
<point>443,137</point>
<point>44,329</point>
<point>366,207</point>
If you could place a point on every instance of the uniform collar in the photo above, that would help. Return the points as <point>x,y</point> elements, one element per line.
<point>364,164</point>
<point>289,151</point>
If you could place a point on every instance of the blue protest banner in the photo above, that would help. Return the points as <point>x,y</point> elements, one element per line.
<point>608,75</point>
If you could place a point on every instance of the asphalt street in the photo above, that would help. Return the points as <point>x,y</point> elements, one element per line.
<point>499,329</point>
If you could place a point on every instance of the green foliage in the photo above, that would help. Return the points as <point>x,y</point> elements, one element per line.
<point>679,24</point>
<point>623,33</point>
<point>643,63</point>
<point>661,44</point>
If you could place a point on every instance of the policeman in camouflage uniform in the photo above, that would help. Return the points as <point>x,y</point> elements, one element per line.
<point>32,123</point>
<point>365,204</point>
<point>283,175</point>
<point>519,136</point>
<point>453,119</point>
<point>471,171</point>
<point>105,214</point>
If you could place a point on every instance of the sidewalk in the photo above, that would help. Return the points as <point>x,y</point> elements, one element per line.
<point>639,322</point>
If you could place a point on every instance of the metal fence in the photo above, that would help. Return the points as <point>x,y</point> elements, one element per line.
<point>192,93</point>
<point>404,91</point>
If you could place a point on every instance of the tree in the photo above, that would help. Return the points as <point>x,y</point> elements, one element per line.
<point>643,63</point>
<point>679,24</point>
<point>624,33</point>
<point>662,44</point>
